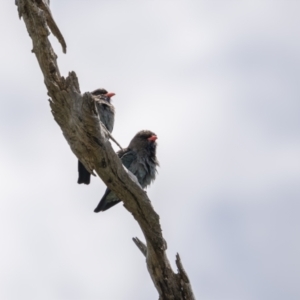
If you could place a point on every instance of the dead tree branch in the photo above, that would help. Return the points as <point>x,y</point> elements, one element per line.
<point>77,116</point>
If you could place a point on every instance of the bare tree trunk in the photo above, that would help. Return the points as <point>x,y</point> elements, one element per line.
<point>77,116</point>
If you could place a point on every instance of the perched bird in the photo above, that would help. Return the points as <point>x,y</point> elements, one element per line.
<point>140,159</point>
<point>107,116</point>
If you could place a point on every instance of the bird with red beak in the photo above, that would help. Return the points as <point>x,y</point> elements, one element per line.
<point>140,159</point>
<point>106,112</point>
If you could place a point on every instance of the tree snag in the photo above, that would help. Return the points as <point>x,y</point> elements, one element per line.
<point>77,116</point>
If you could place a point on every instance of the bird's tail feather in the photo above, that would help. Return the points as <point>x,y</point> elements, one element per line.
<point>108,200</point>
<point>84,175</point>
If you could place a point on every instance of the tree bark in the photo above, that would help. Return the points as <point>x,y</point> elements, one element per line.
<point>77,116</point>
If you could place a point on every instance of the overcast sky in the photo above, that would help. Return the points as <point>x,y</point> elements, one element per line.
<point>219,83</point>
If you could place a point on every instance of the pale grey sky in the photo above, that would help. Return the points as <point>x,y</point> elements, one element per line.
<point>218,81</point>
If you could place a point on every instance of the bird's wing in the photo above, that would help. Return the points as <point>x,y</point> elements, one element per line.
<point>127,157</point>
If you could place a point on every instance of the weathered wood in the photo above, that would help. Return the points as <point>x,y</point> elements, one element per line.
<point>77,116</point>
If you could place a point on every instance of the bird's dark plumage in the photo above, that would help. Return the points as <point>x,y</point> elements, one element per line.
<point>107,116</point>
<point>140,159</point>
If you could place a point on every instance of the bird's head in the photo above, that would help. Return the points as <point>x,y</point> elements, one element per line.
<point>103,94</point>
<point>144,140</point>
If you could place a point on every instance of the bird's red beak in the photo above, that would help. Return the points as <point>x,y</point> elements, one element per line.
<point>152,138</point>
<point>110,95</point>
